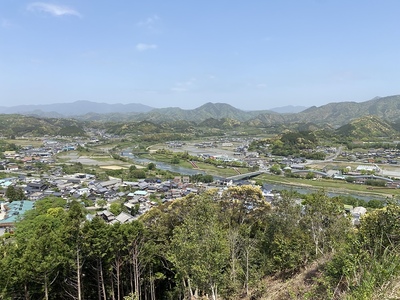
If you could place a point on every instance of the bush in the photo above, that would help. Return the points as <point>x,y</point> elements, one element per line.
<point>175,160</point>
<point>375,204</point>
<point>275,169</point>
<point>375,182</point>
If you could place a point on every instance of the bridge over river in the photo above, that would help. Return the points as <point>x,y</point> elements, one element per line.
<point>254,174</point>
<point>245,175</point>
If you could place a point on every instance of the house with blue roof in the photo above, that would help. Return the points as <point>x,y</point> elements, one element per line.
<point>13,211</point>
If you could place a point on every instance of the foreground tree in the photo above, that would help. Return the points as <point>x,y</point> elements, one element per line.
<point>241,203</point>
<point>97,251</point>
<point>207,245</point>
<point>326,220</point>
<point>368,263</point>
<point>74,241</point>
<point>44,254</point>
<point>199,249</point>
<point>35,255</point>
<point>285,242</point>
<point>15,193</point>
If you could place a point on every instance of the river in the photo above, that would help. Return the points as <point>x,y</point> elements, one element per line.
<point>271,186</point>
<point>306,190</point>
<point>162,165</point>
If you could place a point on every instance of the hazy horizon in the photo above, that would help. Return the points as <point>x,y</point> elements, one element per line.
<point>253,56</point>
<point>117,103</point>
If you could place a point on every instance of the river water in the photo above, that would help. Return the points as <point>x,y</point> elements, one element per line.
<point>271,186</point>
<point>162,165</point>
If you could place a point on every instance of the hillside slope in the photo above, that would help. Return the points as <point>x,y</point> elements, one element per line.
<point>334,114</point>
<point>367,127</point>
<point>20,125</point>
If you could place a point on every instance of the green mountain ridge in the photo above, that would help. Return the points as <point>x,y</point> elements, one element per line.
<point>380,117</point>
<point>387,108</point>
<point>368,126</point>
<point>336,114</point>
<point>20,125</point>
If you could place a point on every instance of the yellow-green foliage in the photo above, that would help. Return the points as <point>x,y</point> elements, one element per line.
<point>367,127</point>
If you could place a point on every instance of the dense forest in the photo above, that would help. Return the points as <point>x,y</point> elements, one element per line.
<point>209,246</point>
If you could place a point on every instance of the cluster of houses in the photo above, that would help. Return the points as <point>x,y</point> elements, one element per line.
<point>175,144</point>
<point>139,196</point>
<point>87,187</point>
<point>384,156</point>
<point>28,156</point>
<point>206,145</point>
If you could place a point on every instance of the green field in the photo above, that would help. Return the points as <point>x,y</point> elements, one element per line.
<point>34,142</point>
<point>208,168</point>
<point>331,185</point>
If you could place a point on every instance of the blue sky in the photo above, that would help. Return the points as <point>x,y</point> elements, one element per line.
<point>255,54</point>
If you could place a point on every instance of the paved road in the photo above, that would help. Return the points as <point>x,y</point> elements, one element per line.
<point>333,157</point>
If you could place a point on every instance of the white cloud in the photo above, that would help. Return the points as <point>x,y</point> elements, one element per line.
<point>261,85</point>
<point>145,47</point>
<point>149,22</point>
<point>55,10</point>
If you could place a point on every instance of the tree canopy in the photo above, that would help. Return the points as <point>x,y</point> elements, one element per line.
<point>213,245</point>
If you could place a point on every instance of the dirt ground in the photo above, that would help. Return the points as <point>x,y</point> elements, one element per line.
<point>113,167</point>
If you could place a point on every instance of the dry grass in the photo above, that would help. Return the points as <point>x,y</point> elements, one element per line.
<point>35,142</point>
<point>299,286</point>
<point>113,167</point>
<point>389,291</point>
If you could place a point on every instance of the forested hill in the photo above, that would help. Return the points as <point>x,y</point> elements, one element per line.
<point>336,114</point>
<point>365,128</point>
<point>386,108</point>
<point>200,114</point>
<point>19,125</point>
<point>368,126</point>
<point>232,245</point>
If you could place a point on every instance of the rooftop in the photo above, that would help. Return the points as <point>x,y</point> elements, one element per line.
<point>15,209</point>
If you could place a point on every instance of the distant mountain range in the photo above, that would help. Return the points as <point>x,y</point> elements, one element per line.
<point>289,109</point>
<point>76,108</point>
<point>334,114</point>
<point>367,127</point>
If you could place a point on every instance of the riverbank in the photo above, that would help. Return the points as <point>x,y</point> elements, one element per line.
<point>311,185</point>
<point>184,166</point>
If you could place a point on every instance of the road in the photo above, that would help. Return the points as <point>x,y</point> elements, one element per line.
<point>333,157</point>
